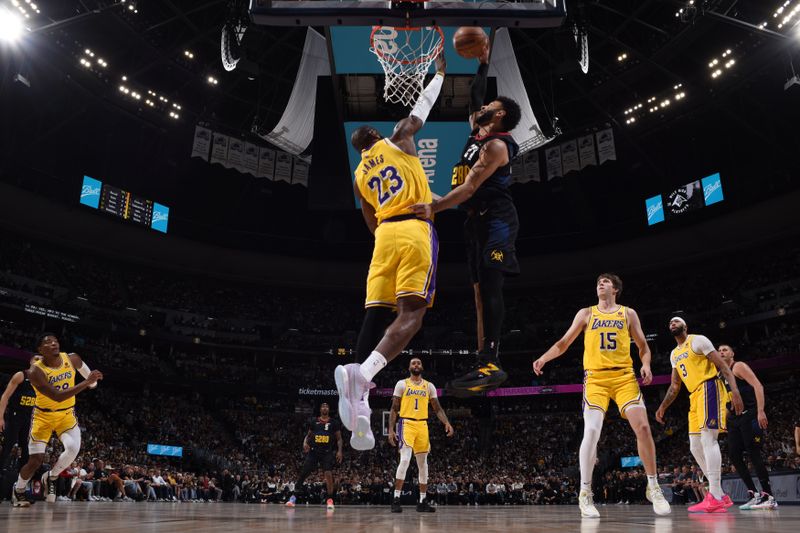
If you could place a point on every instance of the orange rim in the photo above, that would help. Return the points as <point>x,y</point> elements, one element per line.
<point>420,59</point>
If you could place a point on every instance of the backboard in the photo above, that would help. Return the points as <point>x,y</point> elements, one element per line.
<point>497,13</point>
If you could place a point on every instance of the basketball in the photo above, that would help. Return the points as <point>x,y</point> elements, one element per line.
<point>469,41</point>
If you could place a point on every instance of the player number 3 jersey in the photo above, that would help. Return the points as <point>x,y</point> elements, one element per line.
<point>606,340</point>
<point>391,181</point>
<point>691,361</point>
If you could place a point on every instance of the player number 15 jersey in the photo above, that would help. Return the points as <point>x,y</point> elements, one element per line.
<point>606,340</point>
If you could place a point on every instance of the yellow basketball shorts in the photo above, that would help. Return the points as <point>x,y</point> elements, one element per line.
<point>707,406</point>
<point>413,434</point>
<point>403,263</point>
<point>44,423</point>
<point>619,385</point>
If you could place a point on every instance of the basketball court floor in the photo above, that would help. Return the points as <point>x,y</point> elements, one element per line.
<point>233,518</point>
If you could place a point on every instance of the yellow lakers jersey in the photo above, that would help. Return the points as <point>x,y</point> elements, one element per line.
<point>693,368</point>
<point>414,403</point>
<point>607,341</point>
<point>62,378</point>
<point>391,180</point>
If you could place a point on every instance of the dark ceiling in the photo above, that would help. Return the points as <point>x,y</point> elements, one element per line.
<point>74,119</point>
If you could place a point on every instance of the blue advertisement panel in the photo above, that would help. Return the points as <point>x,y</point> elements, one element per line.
<point>630,462</point>
<point>351,53</point>
<point>439,147</point>
<point>163,449</point>
<point>90,192</point>
<point>712,189</point>
<point>655,210</point>
<point>160,217</point>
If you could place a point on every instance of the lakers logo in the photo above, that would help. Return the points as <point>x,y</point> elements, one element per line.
<point>712,422</point>
<point>496,255</point>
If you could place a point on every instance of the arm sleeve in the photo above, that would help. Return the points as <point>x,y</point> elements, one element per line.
<point>477,90</point>
<point>399,389</point>
<point>428,97</point>
<point>701,344</point>
<point>432,391</point>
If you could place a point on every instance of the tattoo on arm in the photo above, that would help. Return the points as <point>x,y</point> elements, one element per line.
<point>673,390</point>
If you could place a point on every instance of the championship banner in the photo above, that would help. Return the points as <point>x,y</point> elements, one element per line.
<point>300,174</point>
<point>219,149</point>
<point>532,172</point>
<point>518,170</point>
<point>283,167</point>
<point>235,155</point>
<point>605,145</point>
<point>586,151</point>
<point>553,157</point>
<point>569,156</point>
<point>202,143</point>
<point>266,163</point>
<point>250,159</point>
<point>439,146</point>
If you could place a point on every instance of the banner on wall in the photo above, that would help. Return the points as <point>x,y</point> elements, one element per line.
<point>586,151</point>
<point>266,163</point>
<point>532,172</point>
<point>553,158</point>
<point>605,145</point>
<point>300,175</point>
<point>202,143</point>
<point>219,149</point>
<point>569,156</point>
<point>283,167</point>
<point>250,159</point>
<point>235,154</point>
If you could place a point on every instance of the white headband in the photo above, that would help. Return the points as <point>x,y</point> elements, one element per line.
<point>679,319</point>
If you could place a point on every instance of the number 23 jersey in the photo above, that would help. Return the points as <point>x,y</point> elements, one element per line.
<point>391,180</point>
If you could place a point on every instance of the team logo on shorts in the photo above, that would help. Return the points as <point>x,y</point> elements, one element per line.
<point>496,255</point>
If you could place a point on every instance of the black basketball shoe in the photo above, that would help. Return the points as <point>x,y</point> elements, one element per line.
<point>19,498</point>
<point>486,375</point>
<point>396,507</point>
<point>424,507</point>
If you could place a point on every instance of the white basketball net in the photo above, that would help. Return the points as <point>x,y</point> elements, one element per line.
<point>406,55</point>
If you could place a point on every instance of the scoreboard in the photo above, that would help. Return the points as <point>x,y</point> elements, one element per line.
<point>124,204</point>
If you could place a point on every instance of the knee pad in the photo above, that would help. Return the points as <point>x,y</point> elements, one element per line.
<point>422,464</point>
<point>405,460</point>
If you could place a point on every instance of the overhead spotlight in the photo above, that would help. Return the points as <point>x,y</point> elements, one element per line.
<point>188,54</point>
<point>622,57</point>
<point>212,80</point>
<point>10,26</point>
<point>730,63</point>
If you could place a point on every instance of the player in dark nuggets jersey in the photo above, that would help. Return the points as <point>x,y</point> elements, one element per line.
<point>318,444</point>
<point>480,186</point>
<point>402,272</point>
<point>19,398</point>
<point>746,431</point>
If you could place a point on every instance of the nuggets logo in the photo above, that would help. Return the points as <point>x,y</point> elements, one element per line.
<point>496,255</point>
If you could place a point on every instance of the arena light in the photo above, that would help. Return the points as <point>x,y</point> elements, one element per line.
<point>213,81</point>
<point>10,26</point>
<point>188,54</point>
<point>622,57</point>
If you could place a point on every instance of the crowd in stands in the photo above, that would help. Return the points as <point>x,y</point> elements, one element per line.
<point>169,345</point>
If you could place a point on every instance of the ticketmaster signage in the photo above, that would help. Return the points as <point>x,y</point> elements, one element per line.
<point>439,147</point>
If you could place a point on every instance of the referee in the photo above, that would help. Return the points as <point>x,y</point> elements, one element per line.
<point>16,407</point>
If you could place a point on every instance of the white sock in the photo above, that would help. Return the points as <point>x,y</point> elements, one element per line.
<point>21,483</point>
<point>396,493</point>
<point>592,426</point>
<point>713,460</point>
<point>374,364</point>
<point>652,481</point>
<point>422,496</point>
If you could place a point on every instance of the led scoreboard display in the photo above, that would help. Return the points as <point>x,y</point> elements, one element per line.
<point>124,204</point>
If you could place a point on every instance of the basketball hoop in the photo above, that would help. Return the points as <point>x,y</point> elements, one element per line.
<point>406,55</point>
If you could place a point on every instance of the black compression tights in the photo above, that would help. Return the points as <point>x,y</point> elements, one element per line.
<point>491,288</point>
<point>741,439</point>
<point>376,320</point>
